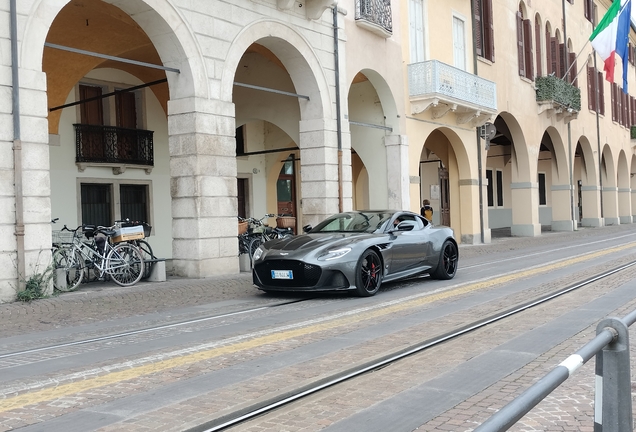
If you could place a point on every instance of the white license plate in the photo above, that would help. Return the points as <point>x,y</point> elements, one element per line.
<point>282,274</point>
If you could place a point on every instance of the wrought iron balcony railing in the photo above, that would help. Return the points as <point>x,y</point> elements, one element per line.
<point>432,83</point>
<point>558,91</point>
<point>113,145</point>
<point>375,15</point>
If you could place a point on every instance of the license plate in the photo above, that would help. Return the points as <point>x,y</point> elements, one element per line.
<point>282,274</point>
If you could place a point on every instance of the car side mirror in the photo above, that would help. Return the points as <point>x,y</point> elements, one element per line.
<point>405,226</point>
<point>307,228</point>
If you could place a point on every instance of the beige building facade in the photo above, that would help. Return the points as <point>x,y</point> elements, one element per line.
<point>188,113</point>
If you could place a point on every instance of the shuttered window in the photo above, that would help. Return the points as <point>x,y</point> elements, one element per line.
<point>520,51</point>
<point>500,201</point>
<point>542,194</point>
<point>537,35</point>
<point>459,43</point>
<point>527,49</point>
<point>490,189</point>
<point>96,204</point>
<point>484,29</point>
<point>134,202</point>
<point>601,92</point>
<point>416,30</point>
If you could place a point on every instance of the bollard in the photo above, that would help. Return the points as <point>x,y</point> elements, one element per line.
<point>613,398</point>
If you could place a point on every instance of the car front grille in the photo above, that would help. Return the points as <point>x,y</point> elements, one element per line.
<point>305,275</point>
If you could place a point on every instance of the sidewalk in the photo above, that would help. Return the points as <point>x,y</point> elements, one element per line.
<point>99,301</point>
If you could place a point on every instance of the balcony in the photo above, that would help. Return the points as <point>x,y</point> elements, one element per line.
<point>558,98</point>
<point>442,88</point>
<point>375,16</point>
<point>119,148</point>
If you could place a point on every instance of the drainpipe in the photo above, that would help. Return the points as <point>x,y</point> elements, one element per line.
<point>338,120</point>
<point>479,163</point>
<point>17,146</point>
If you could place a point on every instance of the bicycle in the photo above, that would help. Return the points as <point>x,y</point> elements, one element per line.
<point>267,234</point>
<point>122,262</point>
<point>144,247</point>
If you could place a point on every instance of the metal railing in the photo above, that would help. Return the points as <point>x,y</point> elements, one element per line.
<point>110,144</point>
<point>613,399</point>
<point>434,78</point>
<point>377,12</point>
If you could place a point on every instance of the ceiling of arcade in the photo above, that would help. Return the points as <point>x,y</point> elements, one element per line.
<point>96,26</point>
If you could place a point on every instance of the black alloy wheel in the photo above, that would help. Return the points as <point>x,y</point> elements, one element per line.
<point>448,259</point>
<point>368,274</point>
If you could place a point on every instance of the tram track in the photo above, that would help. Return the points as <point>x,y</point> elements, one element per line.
<point>265,406</point>
<point>147,329</point>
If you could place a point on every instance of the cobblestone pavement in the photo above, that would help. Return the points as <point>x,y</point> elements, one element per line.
<point>99,302</point>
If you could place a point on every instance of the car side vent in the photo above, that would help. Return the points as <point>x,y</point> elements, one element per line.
<point>384,246</point>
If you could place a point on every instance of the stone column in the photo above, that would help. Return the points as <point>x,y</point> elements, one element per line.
<point>203,187</point>
<point>633,194</point>
<point>525,215</point>
<point>397,166</point>
<point>469,212</point>
<point>610,205</point>
<point>591,202</point>
<point>319,170</point>
<point>561,208</point>
<point>625,205</point>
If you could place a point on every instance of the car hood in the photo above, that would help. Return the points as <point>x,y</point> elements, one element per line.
<point>315,242</point>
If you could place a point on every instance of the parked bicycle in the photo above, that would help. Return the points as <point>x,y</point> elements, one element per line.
<point>144,247</point>
<point>267,233</point>
<point>91,248</point>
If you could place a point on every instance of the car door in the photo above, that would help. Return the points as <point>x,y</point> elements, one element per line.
<point>409,249</point>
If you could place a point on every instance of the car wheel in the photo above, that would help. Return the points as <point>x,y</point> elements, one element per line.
<point>448,258</point>
<point>368,274</point>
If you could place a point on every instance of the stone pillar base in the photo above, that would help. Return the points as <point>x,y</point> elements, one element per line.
<point>612,221</point>
<point>529,230</point>
<point>626,219</point>
<point>564,225</point>
<point>592,222</point>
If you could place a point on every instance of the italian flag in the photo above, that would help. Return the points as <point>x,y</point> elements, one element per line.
<point>611,36</point>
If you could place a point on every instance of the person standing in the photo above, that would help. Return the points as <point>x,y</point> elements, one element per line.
<point>427,210</point>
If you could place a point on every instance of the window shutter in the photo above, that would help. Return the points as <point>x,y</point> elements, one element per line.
<point>587,9</point>
<point>527,48</point>
<point>520,50</point>
<point>548,51</point>
<point>554,56</point>
<point>601,92</point>
<point>573,70</point>
<point>562,67</point>
<point>591,88</point>
<point>613,87</point>
<point>537,34</point>
<point>489,27</point>
<point>479,38</point>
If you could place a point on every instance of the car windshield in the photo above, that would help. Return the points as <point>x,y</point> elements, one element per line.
<point>353,222</point>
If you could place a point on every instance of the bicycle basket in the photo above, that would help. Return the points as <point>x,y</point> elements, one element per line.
<point>61,237</point>
<point>242,227</point>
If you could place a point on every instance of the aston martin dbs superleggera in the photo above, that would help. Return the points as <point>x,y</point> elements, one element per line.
<point>357,251</point>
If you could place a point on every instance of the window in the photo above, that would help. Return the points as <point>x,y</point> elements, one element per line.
<point>524,47</point>
<point>109,128</point>
<point>96,204</point>
<point>490,190</point>
<point>484,29</point>
<point>595,84</point>
<point>416,30</point>
<point>459,43</point>
<point>103,202</point>
<point>537,35</point>
<point>588,10</point>
<point>134,202</point>
<point>500,202</point>
<point>240,140</point>
<point>542,196</point>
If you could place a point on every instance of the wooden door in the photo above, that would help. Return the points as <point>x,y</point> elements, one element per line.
<point>286,189</point>
<point>444,197</point>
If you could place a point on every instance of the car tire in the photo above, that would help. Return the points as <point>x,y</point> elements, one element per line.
<point>448,258</point>
<point>368,274</point>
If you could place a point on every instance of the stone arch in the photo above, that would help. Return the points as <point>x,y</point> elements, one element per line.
<point>522,169</point>
<point>586,197</point>
<point>162,22</point>
<point>296,55</point>
<point>375,138</point>
<point>557,191</point>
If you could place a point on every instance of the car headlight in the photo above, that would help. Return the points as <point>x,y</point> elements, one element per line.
<point>334,254</point>
<point>258,253</point>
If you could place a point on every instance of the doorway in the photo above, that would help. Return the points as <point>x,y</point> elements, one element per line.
<point>444,198</point>
<point>286,189</point>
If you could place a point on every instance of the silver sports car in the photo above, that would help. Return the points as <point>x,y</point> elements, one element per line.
<point>356,251</point>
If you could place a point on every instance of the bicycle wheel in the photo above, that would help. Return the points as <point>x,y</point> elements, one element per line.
<point>124,264</point>
<point>254,244</point>
<point>147,256</point>
<point>68,269</point>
